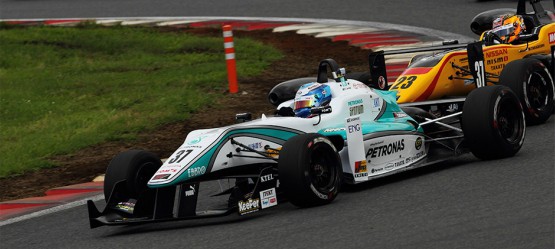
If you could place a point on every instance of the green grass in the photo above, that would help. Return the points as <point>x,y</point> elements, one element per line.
<point>62,89</point>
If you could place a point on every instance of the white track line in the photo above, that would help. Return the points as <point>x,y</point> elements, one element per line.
<point>139,22</point>
<point>51,210</point>
<point>108,22</point>
<point>181,22</point>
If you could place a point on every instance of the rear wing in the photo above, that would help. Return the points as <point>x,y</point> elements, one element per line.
<point>378,71</point>
<point>539,12</point>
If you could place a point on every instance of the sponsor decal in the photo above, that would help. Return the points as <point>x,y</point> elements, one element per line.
<point>357,159</point>
<point>326,109</point>
<point>399,115</point>
<point>353,128</point>
<point>161,176</point>
<point>452,107</point>
<point>385,150</point>
<point>497,52</point>
<point>128,207</point>
<point>353,119</point>
<point>357,85</point>
<point>165,170</point>
<point>497,60</point>
<point>355,102</point>
<point>254,146</point>
<point>415,157</point>
<point>395,164</point>
<point>389,166</point>
<point>552,37</point>
<point>196,140</point>
<point>334,129</point>
<point>360,169</point>
<point>536,47</point>
<point>190,146</point>
<point>273,152</point>
<point>418,143</point>
<point>266,178</point>
<point>196,171</point>
<point>376,102</point>
<point>191,191</point>
<point>360,166</point>
<point>249,206</point>
<point>381,82</point>
<point>268,198</point>
<point>498,67</point>
<point>377,143</point>
<point>376,170</point>
<point>356,110</point>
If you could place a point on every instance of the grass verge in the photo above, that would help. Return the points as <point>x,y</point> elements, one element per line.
<point>62,89</point>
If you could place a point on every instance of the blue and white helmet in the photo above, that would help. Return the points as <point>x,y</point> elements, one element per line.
<point>311,95</point>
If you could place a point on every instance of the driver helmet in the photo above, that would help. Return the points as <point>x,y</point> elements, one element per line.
<point>508,27</point>
<point>311,95</point>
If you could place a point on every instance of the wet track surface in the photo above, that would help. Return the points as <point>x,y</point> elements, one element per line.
<point>464,203</point>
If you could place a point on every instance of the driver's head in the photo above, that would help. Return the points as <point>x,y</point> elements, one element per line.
<point>508,27</point>
<point>311,95</point>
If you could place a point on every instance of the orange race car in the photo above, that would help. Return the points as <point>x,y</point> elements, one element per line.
<point>516,49</point>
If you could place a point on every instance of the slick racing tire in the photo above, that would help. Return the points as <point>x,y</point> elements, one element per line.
<point>136,167</point>
<point>493,122</point>
<point>309,170</point>
<point>532,83</point>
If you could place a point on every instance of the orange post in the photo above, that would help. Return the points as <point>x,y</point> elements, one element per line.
<point>230,59</point>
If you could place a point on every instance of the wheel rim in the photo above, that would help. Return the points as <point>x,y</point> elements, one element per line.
<point>537,91</point>
<point>509,123</point>
<point>322,171</point>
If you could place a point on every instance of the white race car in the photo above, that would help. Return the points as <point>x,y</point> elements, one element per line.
<point>324,134</point>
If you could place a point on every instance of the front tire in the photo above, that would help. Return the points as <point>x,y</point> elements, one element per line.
<point>532,83</point>
<point>136,167</point>
<point>309,170</point>
<point>493,122</point>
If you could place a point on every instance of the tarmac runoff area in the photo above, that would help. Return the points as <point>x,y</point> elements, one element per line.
<point>366,35</point>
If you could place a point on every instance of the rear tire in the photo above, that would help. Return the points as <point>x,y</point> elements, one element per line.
<point>136,167</point>
<point>493,122</point>
<point>532,83</point>
<point>310,170</point>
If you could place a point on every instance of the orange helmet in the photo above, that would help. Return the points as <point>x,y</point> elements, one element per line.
<point>508,27</point>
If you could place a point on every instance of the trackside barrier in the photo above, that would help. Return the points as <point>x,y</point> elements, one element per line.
<point>230,59</point>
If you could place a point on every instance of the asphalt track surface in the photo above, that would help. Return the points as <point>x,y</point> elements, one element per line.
<point>464,203</point>
<point>446,15</point>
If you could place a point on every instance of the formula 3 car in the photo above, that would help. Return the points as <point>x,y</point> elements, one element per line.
<point>361,135</point>
<point>525,65</point>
